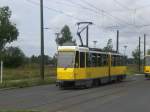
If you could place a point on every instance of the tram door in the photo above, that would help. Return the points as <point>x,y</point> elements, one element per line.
<point>80,71</point>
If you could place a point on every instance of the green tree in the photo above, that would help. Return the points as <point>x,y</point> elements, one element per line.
<point>54,60</point>
<point>34,59</point>
<point>109,46</point>
<point>47,59</point>
<point>65,36</point>
<point>8,30</point>
<point>13,57</point>
<point>136,55</point>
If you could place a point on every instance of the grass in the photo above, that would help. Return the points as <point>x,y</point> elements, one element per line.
<point>27,72</point>
<point>29,75</point>
<point>18,111</point>
<point>26,76</point>
<point>133,69</point>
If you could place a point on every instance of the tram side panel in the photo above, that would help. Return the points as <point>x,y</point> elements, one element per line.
<point>98,67</point>
<point>118,67</point>
<point>92,66</point>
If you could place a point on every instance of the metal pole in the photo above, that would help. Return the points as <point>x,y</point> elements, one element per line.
<point>87,36</point>
<point>139,54</point>
<point>42,40</point>
<point>117,46</point>
<point>1,72</point>
<point>144,47</point>
<point>144,51</point>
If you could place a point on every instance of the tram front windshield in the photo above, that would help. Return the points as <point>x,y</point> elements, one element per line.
<point>147,61</point>
<point>66,59</point>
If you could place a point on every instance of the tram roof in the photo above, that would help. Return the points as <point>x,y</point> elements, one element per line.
<point>72,48</point>
<point>84,49</point>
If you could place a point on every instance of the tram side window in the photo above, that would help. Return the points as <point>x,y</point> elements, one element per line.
<point>82,59</point>
<point>104,59</point>
<point>117,60</point>
<point>113,60</point>
<point>124,60</point>
<point>121,61</point>
<point>99,60</point>
<point>94,59</point>
<point>88,62</point>
<point>77,60</point>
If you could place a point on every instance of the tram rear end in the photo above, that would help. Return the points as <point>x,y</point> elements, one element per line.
<point>147,66</point>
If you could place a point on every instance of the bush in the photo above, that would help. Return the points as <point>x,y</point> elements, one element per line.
<point>13,57</point>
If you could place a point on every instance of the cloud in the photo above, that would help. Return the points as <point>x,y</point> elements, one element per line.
<point>108,16</point>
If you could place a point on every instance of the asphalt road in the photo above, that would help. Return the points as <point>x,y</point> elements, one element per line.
<point>132,95</point>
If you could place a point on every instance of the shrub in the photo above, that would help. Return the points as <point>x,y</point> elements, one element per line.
<point>13,57</point>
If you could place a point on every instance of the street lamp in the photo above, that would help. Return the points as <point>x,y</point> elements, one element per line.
<point>42,41</point>
<point>95,42</point>
<point>125,48</point>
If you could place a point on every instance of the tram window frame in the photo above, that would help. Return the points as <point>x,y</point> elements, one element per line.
<point>77,61</point>
<point>82,59</point>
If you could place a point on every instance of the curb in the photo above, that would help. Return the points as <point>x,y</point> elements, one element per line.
<point>139,74</point>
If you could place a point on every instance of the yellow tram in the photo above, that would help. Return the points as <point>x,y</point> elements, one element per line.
<point>83,66</point>
<point>147,66</point>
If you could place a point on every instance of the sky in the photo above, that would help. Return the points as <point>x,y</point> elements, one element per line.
<point>131,18</point>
